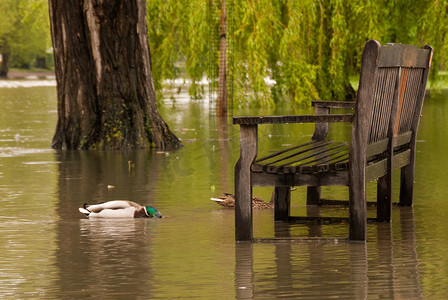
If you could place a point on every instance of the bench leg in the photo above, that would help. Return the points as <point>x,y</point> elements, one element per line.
<point>313,195</point>
<point>384,198</point>
<point>358,206</point>
<point>282,201</point>
<point>358,214</point>
<point>243,187</point>
<point>243,208</point>
<point>407,185</point>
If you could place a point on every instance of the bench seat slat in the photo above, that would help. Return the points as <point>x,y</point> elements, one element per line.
<point>322,151</point>
<point>313,157</point>
<point>287,152</point>
<point>326,156</point>
<point>322,161</point>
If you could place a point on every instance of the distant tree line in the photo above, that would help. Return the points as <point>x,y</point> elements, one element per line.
<point>24,35</point>
<point>279,50</point>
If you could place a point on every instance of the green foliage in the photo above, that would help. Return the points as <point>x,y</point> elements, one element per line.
<point>253,51</point>
<point>178,37</point>
<point>434,32</point>
<point>278,50</point>
<point>301,45</point>
<point>24,30</point>
<point>163,28</point>
<point>287,49</point>
<point>297,52</point>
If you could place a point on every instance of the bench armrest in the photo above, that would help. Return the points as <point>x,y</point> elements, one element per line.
<point>253,120</point>
<point>333,104</point>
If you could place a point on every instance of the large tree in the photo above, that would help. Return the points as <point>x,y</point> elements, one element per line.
<point>106,97</point>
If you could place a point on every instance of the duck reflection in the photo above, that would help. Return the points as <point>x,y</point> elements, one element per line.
<point>116,250</point>
<point>384,267</point>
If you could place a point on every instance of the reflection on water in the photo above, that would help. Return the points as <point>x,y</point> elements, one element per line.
<point>104,259</point>
<point>26,83</point>
<point>386,267</point>
<point>48,250</point>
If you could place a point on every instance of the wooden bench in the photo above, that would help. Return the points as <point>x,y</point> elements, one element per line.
<point>385,120</point>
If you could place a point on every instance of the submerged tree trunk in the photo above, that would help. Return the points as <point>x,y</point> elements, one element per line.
<point>106,97</point>
<point>221,108</point>
<point>4,66</point>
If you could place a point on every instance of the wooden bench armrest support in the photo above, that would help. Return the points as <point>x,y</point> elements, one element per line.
<point>334,104</point>
<point>252,120</point>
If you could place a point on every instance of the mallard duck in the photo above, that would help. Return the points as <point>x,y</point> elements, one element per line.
<point>228,200</point>
<point>119,209</point>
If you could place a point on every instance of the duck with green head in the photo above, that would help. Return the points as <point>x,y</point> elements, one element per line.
<point>119,209</point>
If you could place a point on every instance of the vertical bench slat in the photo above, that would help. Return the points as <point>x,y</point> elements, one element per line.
<point>402,90</point>
<point>410,100</point>
<point>384,105</point>
<point>406,102</point>
<point>384,92</point>
<point>381,79</point>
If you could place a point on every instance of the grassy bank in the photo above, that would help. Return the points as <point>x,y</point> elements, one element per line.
<point>15,73</point>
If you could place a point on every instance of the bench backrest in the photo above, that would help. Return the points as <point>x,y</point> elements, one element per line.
<point>391,90</point>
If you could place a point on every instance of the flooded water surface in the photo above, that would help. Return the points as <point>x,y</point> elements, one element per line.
<point>48,250</point>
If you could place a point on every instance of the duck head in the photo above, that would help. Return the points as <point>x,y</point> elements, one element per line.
<point>152,212</point>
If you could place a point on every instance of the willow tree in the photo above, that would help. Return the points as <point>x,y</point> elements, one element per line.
<point>287,49</point>
<point>291,50</point>
<point>178,34</point>
<point>106,96</point>
<point>24,32</point>
<point>435,32</point>
<point>221,105</point>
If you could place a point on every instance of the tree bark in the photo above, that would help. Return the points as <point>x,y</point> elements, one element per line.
<point>106,96</point>
<point>221,108</point>
<point>4,66</point>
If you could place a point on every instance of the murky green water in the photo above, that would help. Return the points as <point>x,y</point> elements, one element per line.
<point>48,250</point>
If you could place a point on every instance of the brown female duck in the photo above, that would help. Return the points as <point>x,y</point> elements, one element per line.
<point>228,200</point>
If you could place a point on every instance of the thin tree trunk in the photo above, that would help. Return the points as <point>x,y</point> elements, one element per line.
<point>106,97</point>
<point>221,108</point>
<point>4,67</point>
